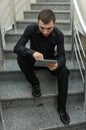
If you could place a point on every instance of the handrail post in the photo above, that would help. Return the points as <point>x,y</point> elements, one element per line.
<point>14,15</point>
<point>81,58</point>
<point>2,118</point>
<point>85,93</point>
<point>1,49</point>
<point>72,28</point>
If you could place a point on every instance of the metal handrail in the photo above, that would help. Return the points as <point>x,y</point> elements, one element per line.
<point>15,13</point>
<point>77,46</point>
<point>2,46</point>
<point>2,118</point>
<point>79,16</point>
<point>79,53</point>
<point>77,43</point>
<point>2,17</point>
<point>3,31</point>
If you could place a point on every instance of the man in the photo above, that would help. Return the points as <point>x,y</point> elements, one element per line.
<point>44,37</point>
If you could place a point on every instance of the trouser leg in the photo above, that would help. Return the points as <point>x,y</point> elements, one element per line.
<point>62,75</point>
<point>27,67</point>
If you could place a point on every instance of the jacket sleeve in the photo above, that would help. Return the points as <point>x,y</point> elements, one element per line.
<point>61,50</point>
<point>20,48</point>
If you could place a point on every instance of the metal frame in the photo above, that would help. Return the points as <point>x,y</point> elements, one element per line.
<point>2,43</point>
<point>77,48</point>
<point>2,118</point>
<point>3,29</point>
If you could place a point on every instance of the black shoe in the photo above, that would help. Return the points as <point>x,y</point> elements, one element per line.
<point>36,92</point>
<point>64,116</point>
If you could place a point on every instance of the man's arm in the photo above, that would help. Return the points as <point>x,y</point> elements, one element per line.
<point>20,46</point>
<point>60,50</point>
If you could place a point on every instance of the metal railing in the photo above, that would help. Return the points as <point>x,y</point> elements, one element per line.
<point>2,118</point>
<point>78,50</point>
<point>4,26</point>
<point>2,45</point>
<point>3,29</point>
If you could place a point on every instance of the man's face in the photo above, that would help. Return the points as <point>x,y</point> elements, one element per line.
<point>46,29</point>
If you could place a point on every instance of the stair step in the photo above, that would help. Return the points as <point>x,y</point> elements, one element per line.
<point>13,36</point>
<point>20,89</point>
<point>9,54</point>
<point>77,126</point>
<point>10,46</point>
<point>1,126</point>
<point>54,6</point>
<point>21,111</point>
<point>14,85</point>
<point>51,1</point>
<point>60,14</point>
<point>62,24</point>
<point>11,71</point>
<point>38,114</point>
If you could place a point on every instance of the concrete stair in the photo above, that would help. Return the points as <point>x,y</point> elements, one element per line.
<point>22,111</point>
<point>8,51</point>
<point>19,109</point>
<point>62,24</point>
<point>50,1</point>
<point>64,14</point>
<point>53,6</point>
<point>13,36</point>
<point>39,114</point>
<point>14,85</point>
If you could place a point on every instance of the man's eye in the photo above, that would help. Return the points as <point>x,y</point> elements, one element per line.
<point>49,28</point>
<point>41,28</point>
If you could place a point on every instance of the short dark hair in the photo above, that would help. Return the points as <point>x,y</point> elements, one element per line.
<point>46,16</point>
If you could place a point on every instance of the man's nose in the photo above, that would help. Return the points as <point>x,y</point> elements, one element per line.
<point>45,31</point>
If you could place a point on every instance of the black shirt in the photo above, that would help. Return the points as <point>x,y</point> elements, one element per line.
<point>43,44</point>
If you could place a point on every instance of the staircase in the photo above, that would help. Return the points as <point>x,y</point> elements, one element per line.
<point>21,111</point>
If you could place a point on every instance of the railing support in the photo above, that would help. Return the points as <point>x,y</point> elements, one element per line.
<point>85,93</point>
<point>78,50</point>
<point>72,28</point>
<point>14,15</point>
<point>2,118</point>
<point>1,49</point>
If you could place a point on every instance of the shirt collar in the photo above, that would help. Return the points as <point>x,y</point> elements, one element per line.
<point>52,33</point>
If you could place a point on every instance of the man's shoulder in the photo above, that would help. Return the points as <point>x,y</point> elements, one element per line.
<point>32,26</point>
<point>58,31</point>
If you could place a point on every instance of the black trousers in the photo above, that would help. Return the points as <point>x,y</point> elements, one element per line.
<point>27,67</point>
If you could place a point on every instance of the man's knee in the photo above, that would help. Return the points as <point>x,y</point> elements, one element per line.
<point>65,70</point>
<point>62,70</point>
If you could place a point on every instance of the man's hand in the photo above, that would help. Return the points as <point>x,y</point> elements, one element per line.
<point>52,66</point>
<point>38,56</point>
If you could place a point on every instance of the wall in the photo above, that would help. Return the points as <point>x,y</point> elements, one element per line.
<point>6,15</point>
<point>7,11</point>
<point>20,6</point>
<point>33,1</point>
<point>82,6</point>
<point>80,15</point>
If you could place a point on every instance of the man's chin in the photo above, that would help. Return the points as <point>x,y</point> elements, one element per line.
<point>46,35</point>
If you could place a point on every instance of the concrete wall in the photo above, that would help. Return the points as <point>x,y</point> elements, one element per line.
<point>21,5</point>
<point>6,15</point>
<point>82,6</point>
<point>9,7</point>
